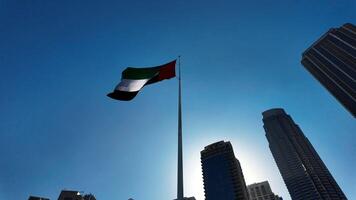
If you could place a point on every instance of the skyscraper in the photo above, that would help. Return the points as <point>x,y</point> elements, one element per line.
<point>261,191</point>
<point>74,195</point>
<point>332,61</point>
<point>222,173</point>
<point>303,171</point>
<point>89,197</point>
<point>37,198</point>
<point>188,198</point>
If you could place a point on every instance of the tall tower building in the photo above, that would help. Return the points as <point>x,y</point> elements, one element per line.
<point>74,195</point>
<point>261,191</point>
<point>37,198</point>
<point>222,173</point>
<point>188,198</point>
<point>303,171</point>
<point>332,61</point>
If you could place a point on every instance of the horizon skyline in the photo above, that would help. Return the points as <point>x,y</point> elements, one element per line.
<point>225,141</point>
<point>59,60</point>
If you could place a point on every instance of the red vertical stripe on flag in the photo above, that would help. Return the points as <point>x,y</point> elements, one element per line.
<point>167,71</point>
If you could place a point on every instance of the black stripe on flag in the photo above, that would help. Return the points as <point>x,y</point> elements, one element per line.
<point>121,95</point>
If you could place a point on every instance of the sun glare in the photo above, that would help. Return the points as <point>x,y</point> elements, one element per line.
<point>252,160</point>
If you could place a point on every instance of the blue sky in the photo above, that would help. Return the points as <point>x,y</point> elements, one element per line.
<point>58,60</point>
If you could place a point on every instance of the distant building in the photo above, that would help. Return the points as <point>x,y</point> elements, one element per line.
<point>37,198</point>
<point>262,191</point>
<point>74,195</point>
<point>332,61</point>
<point>70,195</point>
<point>222,173</point>
<point>89,197</point>
<point>303,171</point>
<point>188,198</point>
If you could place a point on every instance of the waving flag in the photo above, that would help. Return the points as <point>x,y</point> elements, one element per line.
<point>134,79</point>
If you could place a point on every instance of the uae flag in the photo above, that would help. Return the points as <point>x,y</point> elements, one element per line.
<point>134,79</point>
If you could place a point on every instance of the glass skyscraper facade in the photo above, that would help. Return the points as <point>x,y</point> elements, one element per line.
<point>222,173</point>
<point>332,61</point>
<point>303,171</point>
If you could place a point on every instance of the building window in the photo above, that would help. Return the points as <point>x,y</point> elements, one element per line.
<point>258,191</point>
<point>263,190</point>
<point>252,191</point>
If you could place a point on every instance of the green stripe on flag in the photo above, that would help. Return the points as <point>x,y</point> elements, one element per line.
<point>140,73</point>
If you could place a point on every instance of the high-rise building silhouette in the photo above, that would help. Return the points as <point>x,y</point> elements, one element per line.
<point>188,198</point>
<point>89,197</point>
<point>303,171</point>
<point>332,61</point>
<point>262,191</point>
<point>37,198</point>
<point>222,173</point>
<point>74,195</point>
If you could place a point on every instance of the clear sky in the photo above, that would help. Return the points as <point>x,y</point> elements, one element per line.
<point>59,59</point>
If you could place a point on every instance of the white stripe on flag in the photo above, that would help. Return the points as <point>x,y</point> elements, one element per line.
<point>129,85</point>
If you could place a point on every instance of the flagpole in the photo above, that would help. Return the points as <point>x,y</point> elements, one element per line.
<point>180,193</point>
